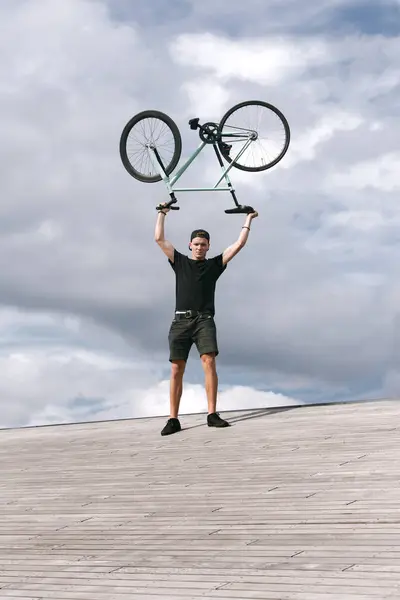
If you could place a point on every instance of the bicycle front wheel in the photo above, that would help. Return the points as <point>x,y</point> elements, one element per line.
<point>263,124</point>
<point>150,128</point>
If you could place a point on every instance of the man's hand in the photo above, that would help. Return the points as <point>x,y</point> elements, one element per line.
<point>164,208</point>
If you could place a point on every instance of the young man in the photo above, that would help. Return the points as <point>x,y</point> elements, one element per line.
<point>193,321</point>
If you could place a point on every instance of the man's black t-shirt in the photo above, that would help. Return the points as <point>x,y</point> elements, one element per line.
<point>195,282</point>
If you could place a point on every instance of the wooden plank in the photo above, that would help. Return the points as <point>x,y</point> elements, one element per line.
<point>299,504</point>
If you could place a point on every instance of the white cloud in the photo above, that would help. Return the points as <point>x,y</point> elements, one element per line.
<point>313,296</point>
<point>50,375</point>
<point>357,219</point>
<point>207,98</point>
<point>267,62</point>
<point>382,173</point>
<point>154,401</point>
<point>306,145</point>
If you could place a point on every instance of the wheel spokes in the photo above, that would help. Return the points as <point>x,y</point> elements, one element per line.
<point>268,143</point>
<point>149,132</point>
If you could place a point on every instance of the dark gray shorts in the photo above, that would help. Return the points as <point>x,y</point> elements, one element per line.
<point>198,330</point>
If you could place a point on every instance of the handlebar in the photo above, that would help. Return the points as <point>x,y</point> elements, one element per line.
<point>246,210</point>
<point>168,204</point>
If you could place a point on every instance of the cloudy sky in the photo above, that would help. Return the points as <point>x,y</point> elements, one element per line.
<point>307,312</point>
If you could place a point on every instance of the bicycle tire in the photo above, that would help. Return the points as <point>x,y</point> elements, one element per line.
<point>172,163</point>
<point>281,118</point>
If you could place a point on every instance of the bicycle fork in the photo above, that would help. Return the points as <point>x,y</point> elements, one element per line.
<point>225,175</point>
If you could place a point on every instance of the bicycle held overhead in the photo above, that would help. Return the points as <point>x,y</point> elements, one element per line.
<point>150,149</point>
<point>252,136</point>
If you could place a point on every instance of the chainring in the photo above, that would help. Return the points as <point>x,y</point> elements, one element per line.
<point>209,133</point>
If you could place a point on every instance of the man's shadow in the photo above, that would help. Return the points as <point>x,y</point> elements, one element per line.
<point>253,414</point>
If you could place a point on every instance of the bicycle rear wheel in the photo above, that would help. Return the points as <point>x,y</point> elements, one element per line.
<point>154,128</point>
<point>264,124</point>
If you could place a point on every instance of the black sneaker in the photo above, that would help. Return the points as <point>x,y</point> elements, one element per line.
<point>214,420</point>
<point>172,426</point>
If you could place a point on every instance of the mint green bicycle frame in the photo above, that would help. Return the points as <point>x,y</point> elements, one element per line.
<point>170,181</point>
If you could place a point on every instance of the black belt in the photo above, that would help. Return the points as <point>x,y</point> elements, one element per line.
<point>189,314</point>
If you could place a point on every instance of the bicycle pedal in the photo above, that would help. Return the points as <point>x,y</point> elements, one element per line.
<point>225,149</point>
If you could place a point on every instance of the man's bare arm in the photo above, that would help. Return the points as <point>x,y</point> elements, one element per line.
<point>232,250</point>
<point>159,236</point>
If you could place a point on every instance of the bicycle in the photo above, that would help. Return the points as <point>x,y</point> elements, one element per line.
<point>158,163</point>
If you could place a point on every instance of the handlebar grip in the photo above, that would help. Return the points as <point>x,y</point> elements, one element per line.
<point>240,210</point>
<point>168,205</point>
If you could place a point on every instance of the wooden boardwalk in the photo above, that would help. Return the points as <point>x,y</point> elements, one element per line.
<point>298,503</point>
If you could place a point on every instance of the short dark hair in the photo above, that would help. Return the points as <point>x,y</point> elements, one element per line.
<point>201,233</point>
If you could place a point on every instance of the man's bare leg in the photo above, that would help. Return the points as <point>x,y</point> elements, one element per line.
<point>211,384</point>
<point>176,385</point>
<point>211,380</point>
